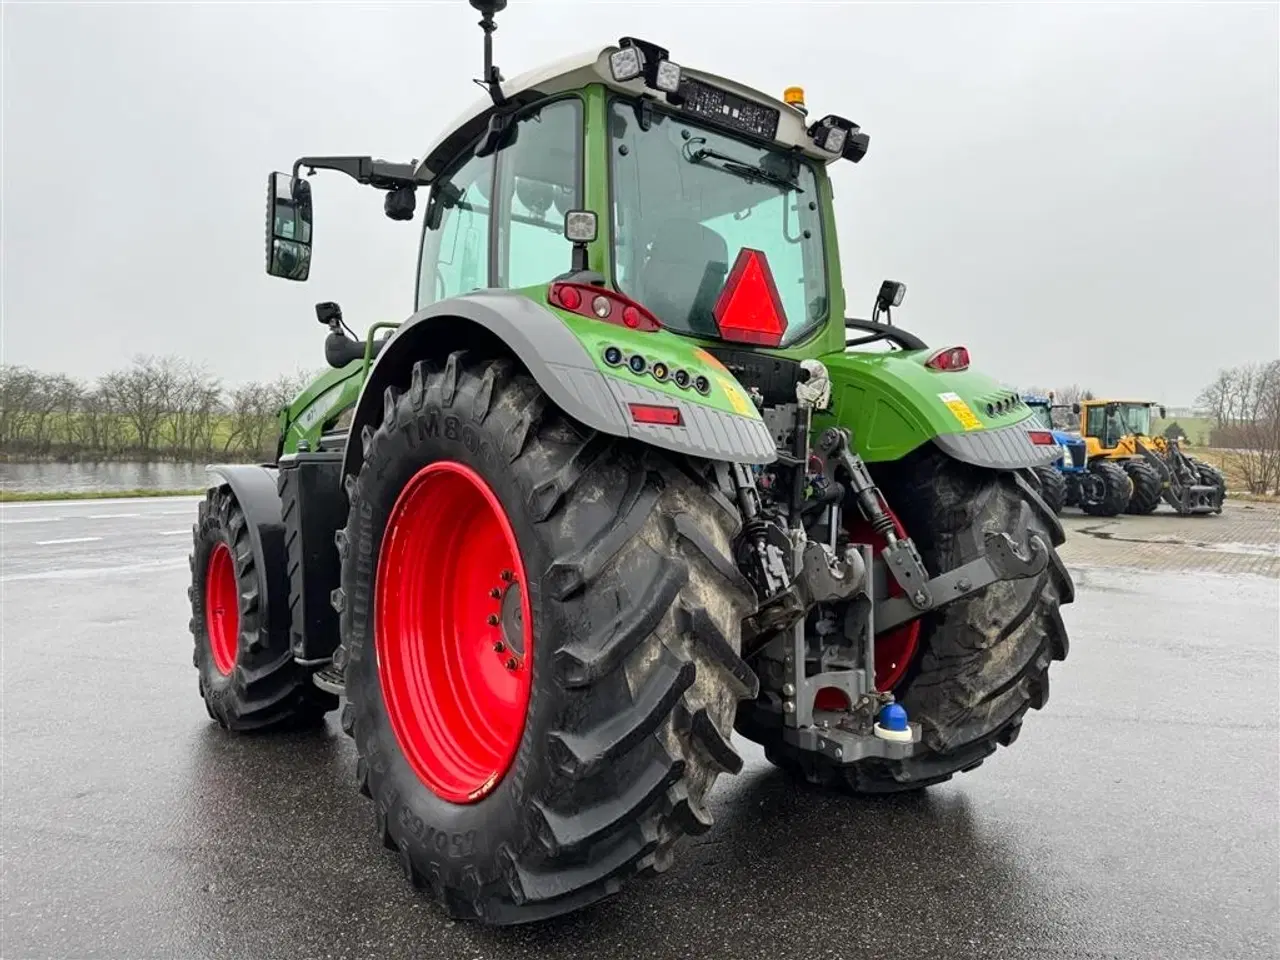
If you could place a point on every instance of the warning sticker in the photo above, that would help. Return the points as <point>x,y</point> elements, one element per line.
<point>968,419</point>
<point>738,401</point>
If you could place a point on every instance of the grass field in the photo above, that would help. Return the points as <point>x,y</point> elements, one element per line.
<point>1197,428</point>
<point>1230,463</point>
<point>114,436</point>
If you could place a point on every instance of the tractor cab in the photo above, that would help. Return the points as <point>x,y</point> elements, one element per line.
<point>1043,409</point>
<point>1110,426</point>
<point>714,197</point>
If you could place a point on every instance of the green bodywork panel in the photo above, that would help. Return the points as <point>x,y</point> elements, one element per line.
<point>893,403</point>
<point>324,400</point>
<point>671,349</point>
<point>890,401</point>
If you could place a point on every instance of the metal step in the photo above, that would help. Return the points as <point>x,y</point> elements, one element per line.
<point>330,679</point>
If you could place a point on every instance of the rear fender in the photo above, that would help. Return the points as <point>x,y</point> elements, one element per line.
<point>893,404</point>
<point>562,367</point>
<point>254,488</point>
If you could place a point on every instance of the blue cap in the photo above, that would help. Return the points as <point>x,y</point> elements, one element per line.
<point>893,717</point>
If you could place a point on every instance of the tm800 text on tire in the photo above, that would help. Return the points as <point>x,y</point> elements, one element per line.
<point>577,595</point>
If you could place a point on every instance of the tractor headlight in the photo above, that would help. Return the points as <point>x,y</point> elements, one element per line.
<point>831,139</point>
<point>626,64</point>
<point>667,77</point>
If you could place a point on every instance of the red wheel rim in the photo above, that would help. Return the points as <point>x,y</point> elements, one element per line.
<point>894,649</point>
<point>222,609</point>
<point>453,632</point>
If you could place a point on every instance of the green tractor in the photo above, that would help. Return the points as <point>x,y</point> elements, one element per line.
<point>625,482</point>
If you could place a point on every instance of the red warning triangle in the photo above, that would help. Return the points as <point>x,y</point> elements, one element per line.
<point>749,309</point>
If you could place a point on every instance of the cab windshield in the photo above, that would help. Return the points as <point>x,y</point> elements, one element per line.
<point>1041,416</point>
<point>1116,420</point>
<point>687,200</point>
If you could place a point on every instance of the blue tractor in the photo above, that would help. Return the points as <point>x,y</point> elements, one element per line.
<point>1099,489</point>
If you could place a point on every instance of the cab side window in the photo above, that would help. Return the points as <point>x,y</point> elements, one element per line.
<point>455,239</point>
<point>539,180</point>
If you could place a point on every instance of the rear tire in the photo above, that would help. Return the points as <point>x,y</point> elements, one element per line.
<point>248,677</point>
<point>982,661</point>
<point>1146,487</point>
<point>1105,490</point>
<point>1053,488</point>
<point>636,609</point>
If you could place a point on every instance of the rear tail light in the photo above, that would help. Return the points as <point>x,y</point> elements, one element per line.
<point>1041,438</point>
<point>600,304</point>
<point>949,358</point>
<point>650,413</point>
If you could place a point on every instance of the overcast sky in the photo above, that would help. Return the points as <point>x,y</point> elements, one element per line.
<point>1077,192</point>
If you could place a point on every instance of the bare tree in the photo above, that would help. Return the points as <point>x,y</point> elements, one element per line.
<point>193,404</point>
<point>1244,402</point>
<point>1072,394</point>
<point>143,395</point>
<point>18,389</point>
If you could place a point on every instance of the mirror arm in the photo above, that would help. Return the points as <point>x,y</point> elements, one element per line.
<point>374,173</point>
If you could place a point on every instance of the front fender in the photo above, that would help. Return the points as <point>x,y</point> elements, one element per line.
<point>562,367</point>
<point>255,489</point>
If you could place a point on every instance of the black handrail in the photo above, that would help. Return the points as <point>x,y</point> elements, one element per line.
<point>882,331</point>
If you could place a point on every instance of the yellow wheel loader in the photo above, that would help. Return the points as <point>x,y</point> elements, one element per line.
<point>1120,431</point>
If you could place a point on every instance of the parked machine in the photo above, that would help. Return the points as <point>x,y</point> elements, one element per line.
<point>1098,488</point>
<point>625,481</point>
<point>1119,432</point>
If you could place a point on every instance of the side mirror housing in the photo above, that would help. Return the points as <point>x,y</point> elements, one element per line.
<point>1075,408</point>
<point>1163,415</point>
<point>288,227</point>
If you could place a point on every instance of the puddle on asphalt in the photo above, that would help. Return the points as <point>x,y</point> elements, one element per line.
<point>1242,549</point>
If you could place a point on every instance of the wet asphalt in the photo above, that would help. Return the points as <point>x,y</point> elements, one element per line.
<point>1136,816</point>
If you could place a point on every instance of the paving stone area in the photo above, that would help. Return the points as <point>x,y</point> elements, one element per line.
<point>1243,539</point>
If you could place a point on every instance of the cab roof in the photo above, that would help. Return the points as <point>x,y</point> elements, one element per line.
<point>1135,403</point>
<point>592,66</point>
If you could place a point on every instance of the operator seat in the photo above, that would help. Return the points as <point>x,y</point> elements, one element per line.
<point>683,274</point>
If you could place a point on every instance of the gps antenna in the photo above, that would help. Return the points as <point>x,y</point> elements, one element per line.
<point>492,75</point>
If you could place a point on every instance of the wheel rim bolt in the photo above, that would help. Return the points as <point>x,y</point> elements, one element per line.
<point>499,647</point>
<point>495,593</point>
<point>508,576</point>
<point>512,663</point>
<point>493,619</point>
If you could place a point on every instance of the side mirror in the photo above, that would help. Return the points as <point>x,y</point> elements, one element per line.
<point>1163,415</point>
<point>288,227</point>
<point>1075,408</point>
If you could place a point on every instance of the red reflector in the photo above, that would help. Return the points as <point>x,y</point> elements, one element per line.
<point>1041,438</point>
<point>949,358</point>
<point>648,413</point>
<point>570,299</point>
<point>749,309</point>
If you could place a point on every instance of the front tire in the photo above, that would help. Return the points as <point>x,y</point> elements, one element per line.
<point>1053,488</point>
<point>1211,476</point>
<point>1105,489</point>
<point>1147,487</point>
<point>630,633</point>
<point>247,675</point>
